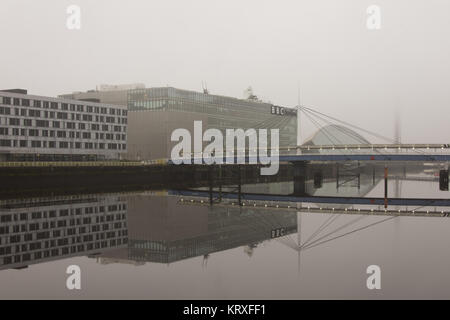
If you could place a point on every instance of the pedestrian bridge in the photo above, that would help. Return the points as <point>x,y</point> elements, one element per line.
<point>333,153</point>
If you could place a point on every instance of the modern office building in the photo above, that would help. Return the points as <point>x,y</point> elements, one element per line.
<point>43,128</point>
<point>154,113</point>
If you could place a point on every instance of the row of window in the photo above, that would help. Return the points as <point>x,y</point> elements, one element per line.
<point>53,214</point>
<point>36,226</point>
<point>61,106</point>
<point>62,134</point>
<point>16,245</point>
<point>77,236</point>
<point>54,243</point>
<point>67,125</point>
<point>69,212</point>
<point>81,248</point>
<point>63,116</point>
<point>62,144</point>
<point>16,237</point>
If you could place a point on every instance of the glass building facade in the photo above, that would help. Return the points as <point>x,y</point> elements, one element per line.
<point>222,112</point>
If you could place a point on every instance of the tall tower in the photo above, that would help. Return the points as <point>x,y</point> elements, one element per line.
<point>299,131</point>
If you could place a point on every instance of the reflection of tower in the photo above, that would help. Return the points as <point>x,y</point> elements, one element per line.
<point>299,239</point>
<point>398,184</point>
<point>299,132</point>
<point>205,261</point>
<point>397,138</point>
<point>250,249</point>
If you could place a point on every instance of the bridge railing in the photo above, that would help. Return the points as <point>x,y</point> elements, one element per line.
<point>289,150</point>
<point>369,149</point>
<point>385,147</point>
<point>328,149</point>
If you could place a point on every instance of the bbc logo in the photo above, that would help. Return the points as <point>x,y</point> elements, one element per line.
<point>277,110</point>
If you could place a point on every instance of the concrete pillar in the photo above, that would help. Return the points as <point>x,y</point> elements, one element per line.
<point>300,175</point>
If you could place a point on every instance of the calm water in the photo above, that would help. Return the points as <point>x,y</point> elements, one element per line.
<point>162,245</point>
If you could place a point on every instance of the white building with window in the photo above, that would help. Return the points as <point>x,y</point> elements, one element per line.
<point>43,128</point>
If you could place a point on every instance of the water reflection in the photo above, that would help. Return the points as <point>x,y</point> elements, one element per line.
<point>44,229</point>
<point>169,226</point>
<point>162,230</point>
<point>144,227</point>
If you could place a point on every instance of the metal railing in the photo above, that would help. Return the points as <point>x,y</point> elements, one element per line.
<point>289,150</point>
<point>385,147</point>
<point>326,149</point>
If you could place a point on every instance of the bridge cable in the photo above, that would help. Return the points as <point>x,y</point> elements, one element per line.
<point>324,128</point>
<point>353,126</point>
<point>339,128</point>
<point>337,229</point>
<point>323,226</point>
<point>325,131</point>
<point>319,127</point>
<point>350,232</point>
<point>358,128</point>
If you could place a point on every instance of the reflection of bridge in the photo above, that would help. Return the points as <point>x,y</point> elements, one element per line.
<point>322,187</point>
<point>279,202</point>
<point>327,185</point>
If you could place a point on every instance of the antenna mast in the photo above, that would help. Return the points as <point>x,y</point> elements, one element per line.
<point>299,131</point>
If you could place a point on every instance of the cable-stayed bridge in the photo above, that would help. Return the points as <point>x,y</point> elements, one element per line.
<point>334,140</point>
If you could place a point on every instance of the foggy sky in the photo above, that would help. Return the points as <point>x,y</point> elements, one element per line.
<point>343,68</point>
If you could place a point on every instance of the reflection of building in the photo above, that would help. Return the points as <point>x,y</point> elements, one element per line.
<point>162,230</point>
<point>50,229</point>
<point>43,128</point>
<point>131,229</point>
<point>156,112</point>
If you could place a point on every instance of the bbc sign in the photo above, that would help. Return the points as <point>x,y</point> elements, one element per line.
<point>279,232</point>
<point>277,110</point>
